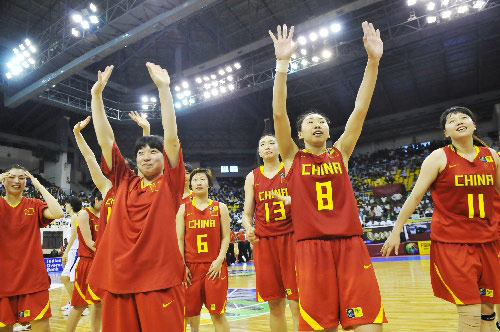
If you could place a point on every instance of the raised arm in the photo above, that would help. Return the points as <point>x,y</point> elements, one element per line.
<point>101,182</point>
<point>84,224</point>
<point>171,141</point>
<point>141,122</point>
<point>103,130</point>
<point>374,48</point>
<point>431,167</point>
<point>215,269</point>
<point>249,208</point>
<point>284,47</point>
<point>54,209</point>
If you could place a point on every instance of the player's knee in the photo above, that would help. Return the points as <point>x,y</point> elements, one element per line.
<point>41,325</point>
<point>218,318</point>
<point>487,308</point>
<point>277,306</point>
<point>469,317</point>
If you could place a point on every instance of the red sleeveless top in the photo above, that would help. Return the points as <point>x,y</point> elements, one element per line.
<point>83,249</point>
<point>272,216</point>
<point>323,203</point>
<point>203,233</point>
<point>463,199</point>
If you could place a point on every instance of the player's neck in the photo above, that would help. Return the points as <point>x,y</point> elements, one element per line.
<point>316,150</point>
<point>13,199</point>
<point>272,166</point>
<point>464,146</point>
<point>150,179</point>
<point>201,201</point>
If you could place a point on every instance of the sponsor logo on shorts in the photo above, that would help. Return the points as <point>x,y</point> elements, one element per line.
<point>25,313</point>
<point>167,304</point>
<point>367,266</point>
<point>212,307</point>
<point>354,312</point>
<point>486,292</point>
<point>288,291</point>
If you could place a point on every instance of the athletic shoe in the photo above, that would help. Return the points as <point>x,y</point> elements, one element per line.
<point>67,306</point>
<point>22,328</point>
<point>498,326</point>
<point>85,312</point>
<point>67,311</point>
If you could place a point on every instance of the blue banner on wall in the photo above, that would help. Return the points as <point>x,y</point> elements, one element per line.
<point>54,264</point>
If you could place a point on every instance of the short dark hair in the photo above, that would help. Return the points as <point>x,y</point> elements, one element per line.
<point>188,167</point>
<point>153,141</point>
<point>16,166</point>
<point>301,118</point>
<point>75,203</point>
<point>205,171</point>
<point>131,164</point>
<point>95,194</point>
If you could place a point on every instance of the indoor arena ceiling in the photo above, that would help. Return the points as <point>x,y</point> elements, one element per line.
<point>426,65</point>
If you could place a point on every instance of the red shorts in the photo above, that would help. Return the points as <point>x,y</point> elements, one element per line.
<point>24,308</point>
<point>212,293</point>
<point>82,293</point>
<point>274,259</point>
<point>336,282</point>
<point>466,273</point>
<point>161,310</point>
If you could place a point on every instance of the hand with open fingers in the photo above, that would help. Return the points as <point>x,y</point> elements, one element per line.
<point>284,46</point>
<point>392,242</point>
<point>215,269</point>
<point>141,122</point>
<point>34,180</point>
<point>3,176</point>
<point>188,282</point>
<point>81,124</point>
<point>102,80</point>
<point>285,199</point>
<point>371,39</point>
<point>250,233</point>
<point>158,74</point>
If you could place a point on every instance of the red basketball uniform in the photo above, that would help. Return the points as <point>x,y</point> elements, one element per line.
<point>188,198</point>
<point>105,214</point>
<point>496,208</point>
<point>274,253</point>
<point>330,251</point>
<point>465,253</point>
<point>139,252</point>
<point>24,281</point>
<point>82,293</point>
<point>202,243</point>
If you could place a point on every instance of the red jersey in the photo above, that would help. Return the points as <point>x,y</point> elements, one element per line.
<point>139,252</point>
<point>241,236</point>
<point>463,195</point>
<point>323,203</point>
<point>188,198</point>
<point>105,214</point>
<point>83,249</point>
<point>496,208</point>
<point>203,233</point>
<point>232,237</point>
<point>22,268</point>
<point>272,216</point>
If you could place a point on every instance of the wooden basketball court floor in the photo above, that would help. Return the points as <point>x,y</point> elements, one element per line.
<point>404,283</point>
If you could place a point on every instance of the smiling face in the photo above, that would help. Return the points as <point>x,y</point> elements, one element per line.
<point>15,183</point>
<point>200,183</point>
<point>314,130</point>
<point>149,162</point>
<point>268,147</point>
<point>459,125</point>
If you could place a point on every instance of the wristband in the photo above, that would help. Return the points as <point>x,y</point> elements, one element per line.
<point>282,66</point>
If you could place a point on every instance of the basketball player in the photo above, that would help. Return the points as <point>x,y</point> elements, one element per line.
<point>335,277</point>
<point>138,263</point>
<point>87,227</point>
<point>272,236</point>
<point>24,281</point>
<point>70,256</point>
<point>203,237</point>
<point>465,251</point>
<point>188,194</point>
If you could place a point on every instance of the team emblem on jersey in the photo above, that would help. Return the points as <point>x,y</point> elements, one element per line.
<point>486,292</point>
<point>354,312</point>
<point>486,159</point>
<point>214,210</point>
<point>29,212</point>
<point>25,313</point>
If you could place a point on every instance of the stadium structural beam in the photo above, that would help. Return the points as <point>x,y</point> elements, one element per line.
<point>162,20</point>
<point>240,52</point>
